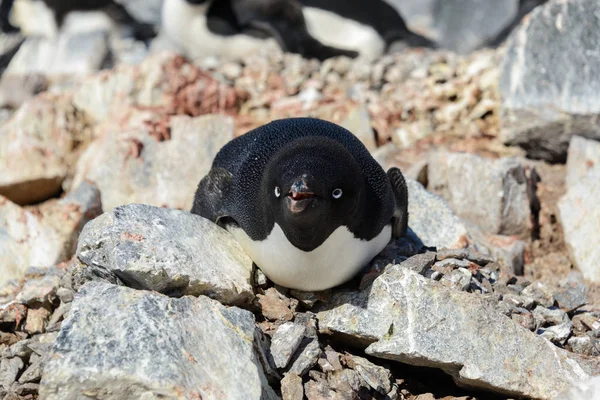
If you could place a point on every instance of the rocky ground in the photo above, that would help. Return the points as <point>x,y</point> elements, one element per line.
<point>111,289</point>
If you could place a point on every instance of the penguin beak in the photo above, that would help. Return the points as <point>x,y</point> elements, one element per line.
<point>300,196</point>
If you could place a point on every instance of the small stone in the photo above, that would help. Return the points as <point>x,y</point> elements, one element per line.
<point>584,345</point>
<point>464,254</point>
<point>524,319</point>
<point>546,317</point>
<point>557,334</point>
<point>419,263</point>
<point>65,295</point>
<point>376,377</point>
<point>306,357</point>
<point>346,381</point>
<point>260,279</point>
<point>518,301</point>
<point>274,306</point>
<point>33,373</point>
<point>285,342</point>
<point>9,370</point>
<point>26,389</point>
<point>458,278</point>
<point>57,317</point>
<point>319,390</point>
<point>42,290</point>
<point>571,296</point>
<point>540,294</point>
<point>447,265</point>
<point>36,320</point>
<point>291,387</point>
<point>585,322</point>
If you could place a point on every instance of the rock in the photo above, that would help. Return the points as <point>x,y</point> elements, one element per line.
<point>306,357</point>
<point>140,168</point>
<point>540,294</point>
<point>492,194</point>
<point>291,387</point>
<point>40,290</point>
<point>275,306</point>
<point>285,342</point>
<point>432,220</point>
<point>375,376</point>
<point>546,317</point>
<point>588,389</point>
<point>13,313</point>
<point>37,153</point>
<point>571,295</point>
<point>406,318</point>
<point>580,218</point>
<point>549,92</point>
<point>175,348</point>
<point>9,370</point>
<point>558,333</point>
<point>420,263</point>
<point>43,237</point>
<point>66,55</point>
<point>524,319</point>
<point>33,373</point>
<point>582,156</point>
<point>585,322</point>
<point>36,320</point>
<point>467,25</point>
<point>584,345</point>
<point>459,279</point>
<point>196,256</point>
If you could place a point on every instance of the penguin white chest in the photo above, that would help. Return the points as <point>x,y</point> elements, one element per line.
<point>335,261</point>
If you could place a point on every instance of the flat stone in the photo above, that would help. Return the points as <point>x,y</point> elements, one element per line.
<point>406,318</point>
<point>37,153</point>
<point>37,319</point>
<point>558,333</point>
<point>137,167</point>
<point>346,382</point>
<point>291,387</point>
<point>492,194</point>
<point>33,373</point>
<point>432,220</point>
<point>285,342</point>
<point>580,218</point>
<point>40,290</point>
<point>168,251</point>
<point>44,236</point>
<point>420,263</point>
<point>583,155</point>
<point>459,279</point>
<point>275,306</point>
<point>571,295</point>
<point>9,370</point>
<point>540,294</point>
<point>175,348</point>
<point>549,93</point>
<point>306,357</point>
<point>546,317</point>
<point>377,377</point>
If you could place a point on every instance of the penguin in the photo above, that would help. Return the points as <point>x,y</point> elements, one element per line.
<point>368,27</point>
<point>234,28</point>
<point>61,8</point>
<point>306,201</point>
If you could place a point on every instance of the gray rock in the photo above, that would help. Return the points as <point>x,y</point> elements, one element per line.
<point>492,194</point>
<point>466,25</point>
<point>558,333</point>
<point>406,317</point>
<point>544,316</point>
<point>583,155</point>
<point>285,342</point>
<point>549,93</point>
<point>378,378</point>
<point>432,219</point>
<point>43,237</point>
<point>540,294</point>
<point>306,357</point>
<point>195,257</point>
<point>459,279</point>
<point>571,295</point>
<point>9,370</point>
<point>138,168</point>
<point>585,345</point>
<point>291,387</point>
<point>40,290</point>
<point>420,263</point>
<point>580,218</point>
<point>175,348</point>
<point>588,389</point>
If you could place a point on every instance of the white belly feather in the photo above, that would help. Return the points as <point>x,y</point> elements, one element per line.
<point>339,258</point>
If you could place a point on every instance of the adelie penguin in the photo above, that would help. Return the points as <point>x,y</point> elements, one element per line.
<point>306,200</point>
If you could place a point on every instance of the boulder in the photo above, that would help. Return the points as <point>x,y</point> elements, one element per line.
<point>408,318</point>
<point>548,86</point>
<point>169,251</point>
<point>580,218</point>
<point>493,194</point>
<point>583,155</point>
<point>44,236</point>
<point>122,343</point>
<point>159,164</point>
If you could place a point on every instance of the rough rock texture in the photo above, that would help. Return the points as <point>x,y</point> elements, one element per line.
<point>589,390</point>
<point>169,251</point>
<point>36,153</point>
<point>580,219</point>
<point>432,219</point>
<point>548,85</point>
<point>583,155</point>
<point>121,343</point>
<point>164,171</point>
<point>493,194</point>
<point>44,236</point>
<point>408,318</point>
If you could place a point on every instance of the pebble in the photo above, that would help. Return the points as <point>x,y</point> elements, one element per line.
<point>285,342</point>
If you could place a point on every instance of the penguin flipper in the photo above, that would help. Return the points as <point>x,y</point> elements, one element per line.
<point>209,200</point>
<point>400,218</point>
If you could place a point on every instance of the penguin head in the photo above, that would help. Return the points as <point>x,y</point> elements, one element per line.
<point>313,185</point>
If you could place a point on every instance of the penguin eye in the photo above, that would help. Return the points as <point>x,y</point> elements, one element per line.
<point>337,193</point>
<point>277,191</point>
